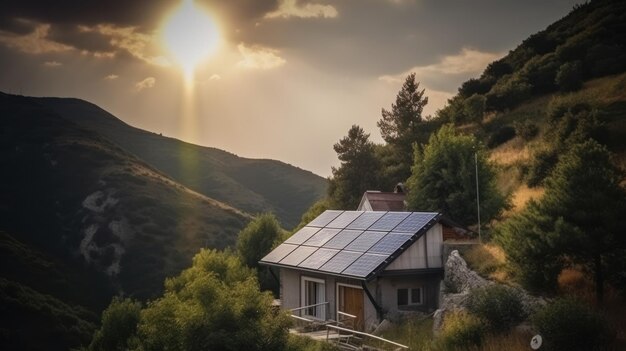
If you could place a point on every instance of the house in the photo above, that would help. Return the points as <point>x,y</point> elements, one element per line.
<point>374,200</point>
<point>366,264</point>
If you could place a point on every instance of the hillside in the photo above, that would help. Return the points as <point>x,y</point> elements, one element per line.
<point>82,219</point>
<point>567,79</point>
<point>252,185</point>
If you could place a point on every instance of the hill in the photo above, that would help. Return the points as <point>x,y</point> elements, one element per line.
<point>567,79</point>
<point>82,219</point>
<point>252,185</point>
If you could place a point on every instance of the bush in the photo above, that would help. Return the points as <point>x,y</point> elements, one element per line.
<point>501,136</point>
<point>569,77</point>
<point>570,325</point>
<point>526,129</point>
<point>499,307</point>
<point>541,165</point>
<point>119,325</point>
<point>461,330</point>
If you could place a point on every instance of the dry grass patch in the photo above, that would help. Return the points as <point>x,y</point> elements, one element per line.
<point>489,261</point>
<point>523,194</point>
<point>513,151</point>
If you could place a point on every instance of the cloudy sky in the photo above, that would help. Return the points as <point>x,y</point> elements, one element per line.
<point>280,79</point>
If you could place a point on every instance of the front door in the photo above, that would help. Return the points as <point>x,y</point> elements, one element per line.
<point>351,302</point>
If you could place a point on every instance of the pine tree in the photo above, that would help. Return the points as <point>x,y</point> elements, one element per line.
<point>400,127</point>
<point>580,218</point>
<point>359,170</point>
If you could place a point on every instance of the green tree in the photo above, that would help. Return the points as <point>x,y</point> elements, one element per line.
<point>359,170</point>
<point>214,305</point>
<point>255,241</point>
<point>400,127</point>
<point>580,219</point>
<point>443,179</point>
<point>119,325</point>
<point>258,238</point>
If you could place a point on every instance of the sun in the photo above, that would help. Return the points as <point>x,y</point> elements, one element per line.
<point>191,35</point>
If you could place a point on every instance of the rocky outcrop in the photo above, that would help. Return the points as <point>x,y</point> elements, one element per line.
<point>460,280</point>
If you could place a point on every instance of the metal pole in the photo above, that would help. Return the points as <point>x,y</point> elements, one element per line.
<point>480,240</point>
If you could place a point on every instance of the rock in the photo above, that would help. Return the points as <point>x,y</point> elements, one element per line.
<point>459,280</point>
<point>459,277</point>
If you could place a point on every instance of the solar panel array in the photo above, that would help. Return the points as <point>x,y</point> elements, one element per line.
<point>351,243</point>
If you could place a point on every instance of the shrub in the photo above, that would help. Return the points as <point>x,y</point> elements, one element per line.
<point>570,325</point>
<point>526,129</point>
<point>461,330</point>
<point>501,136</point>
<point>499,307</point>
<point>541,165</point>
<point>569,77</point>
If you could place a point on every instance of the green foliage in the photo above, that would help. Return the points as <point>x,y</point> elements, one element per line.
<point>216,305</point>
<point>258,238</point>
<point>461,330</point>
<point>569,76</point>
<point>501,136</point>
<point>580,217</point>
<point>474,108</point>
<point>255,241</point>
<point>474,87</point>
<point>508,93</point>
<point>31,320</point>
<point>303,343</point>
<point>400,126</point>
<point>359,170</point>
<point>119,325</point>
<point>499,307</point>
<point>443,179</point>
<point>570,325</point>
<point>526,239</point>
<point>541,164</point>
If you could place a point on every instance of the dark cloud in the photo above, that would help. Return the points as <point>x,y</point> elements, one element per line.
<point>145,14</point>
<point>80,39</point>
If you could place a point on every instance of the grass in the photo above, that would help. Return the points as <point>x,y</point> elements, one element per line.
<point>415,333</point>
<point>489,261</point>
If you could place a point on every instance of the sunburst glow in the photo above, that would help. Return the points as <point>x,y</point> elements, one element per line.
<point>190,35</point>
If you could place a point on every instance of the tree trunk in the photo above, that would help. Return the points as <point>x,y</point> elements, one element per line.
<point>597,261</point>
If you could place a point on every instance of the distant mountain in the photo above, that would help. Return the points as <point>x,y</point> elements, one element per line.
<point>252,185</point>
<point>82,219</point>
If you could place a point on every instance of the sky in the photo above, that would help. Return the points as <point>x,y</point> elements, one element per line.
<point>277,79</point>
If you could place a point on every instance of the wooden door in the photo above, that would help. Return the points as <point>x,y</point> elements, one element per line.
<point>351,302</point>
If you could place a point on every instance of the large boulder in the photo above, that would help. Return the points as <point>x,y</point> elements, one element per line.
<point>459,280</point>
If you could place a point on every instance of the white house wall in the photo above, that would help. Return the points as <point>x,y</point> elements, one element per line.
<point>425,253</point>
<point>290,285</point>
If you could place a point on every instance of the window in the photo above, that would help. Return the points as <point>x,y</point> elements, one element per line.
<point>313,293</point>
<point>408,297</point>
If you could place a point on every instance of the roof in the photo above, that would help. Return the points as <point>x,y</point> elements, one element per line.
<point>352,244</point>
<point>384,201</point>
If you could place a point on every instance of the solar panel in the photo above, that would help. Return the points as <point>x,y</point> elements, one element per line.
<point>340,261</point>
<point>279,253</point>
<point>365,241</point>
<point>364,265</point>
<point>414,222</point>
<point>298,255</point>
<point>302,235</point>
<point>390,243</point>
<point>325,218</point>
<point>318,258</point>
<point>321,237</point>
<point>344,219</point>
<point>342,239</point>
<point>365,220</point>
<point>389,221</point>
